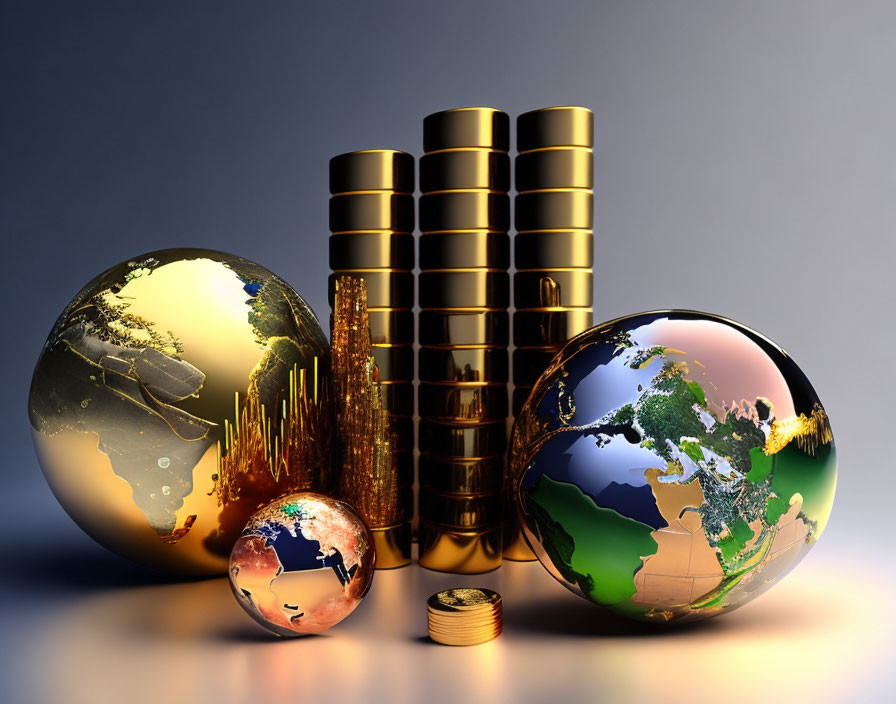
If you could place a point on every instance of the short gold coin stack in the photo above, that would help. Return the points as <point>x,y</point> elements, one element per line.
<point>464,294</point>
<point>372,224</point>
<point>465,616</point>
<point>553,252</point>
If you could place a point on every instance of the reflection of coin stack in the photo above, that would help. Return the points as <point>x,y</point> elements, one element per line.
<point>463,362</point>
<point>372,220</point>
<point>553,250</point>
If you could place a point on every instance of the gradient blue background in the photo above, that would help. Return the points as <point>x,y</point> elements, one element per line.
<point>745,152</point>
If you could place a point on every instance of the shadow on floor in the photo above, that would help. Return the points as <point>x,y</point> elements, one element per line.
<point>59,567</point>
<point>577,617</point>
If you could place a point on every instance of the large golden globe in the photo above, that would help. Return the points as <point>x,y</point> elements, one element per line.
<point>177,393</point>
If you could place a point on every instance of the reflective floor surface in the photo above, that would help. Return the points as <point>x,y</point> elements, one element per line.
<point>81,625</point>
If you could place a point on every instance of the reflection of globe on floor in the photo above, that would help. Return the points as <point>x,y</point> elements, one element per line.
<point>303,563</point>
<point>176,394</point>
<point>672,465</point>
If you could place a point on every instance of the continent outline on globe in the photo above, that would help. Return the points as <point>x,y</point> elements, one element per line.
<point>697,496</point>
<point>176,393</point>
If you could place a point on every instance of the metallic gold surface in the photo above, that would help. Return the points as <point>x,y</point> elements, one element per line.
<point>464,601</point>
<point>464,616</point>
<point>464,327</point>
<point>559,167</point>
<point>403,432</point>
<point>553,252</point>
<point>565,126</point>
<point>466,127</point>
<point>372,170</point>
<point>385,288</point>
<point>393,546</point>
<point>554,249</point>
<point>463,364</point>
<point>176,393</point>
<point>398,398</point>
<point>463,402</point>
<point>464,292</point>
<point>464,210</point>
<point>465,511</point>
<point>391,326</point>
<point>574,286</point>
<point>372,250</point>
<point>464,288</point>
<point>465,168</point>
<point>515,546</point>
<point>554,210</point>
<point>539,328</point>
<point>369,477</point>
<point>302,564</point>
<point>462,475</point>
<point>462,441</point>
<point>460,552</point>
<point>372,216</point>
<point>395,363</point>
<point>460,250</point>
<point>372,210</point>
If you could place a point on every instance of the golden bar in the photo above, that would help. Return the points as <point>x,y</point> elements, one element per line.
<point>463,360</point>
<point>372,224</point>
<point>553,254</point>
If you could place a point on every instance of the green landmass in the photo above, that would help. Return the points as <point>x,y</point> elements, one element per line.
<point>596,548</point>
<point>812,476</point>
<point>760,465</point>
<point>775,507</point>
<point>697,392</point>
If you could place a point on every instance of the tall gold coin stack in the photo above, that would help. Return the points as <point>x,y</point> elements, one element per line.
<point>553,252</point>
<point>464,336</point>
<point>372,221</point>
<point>465,616</point>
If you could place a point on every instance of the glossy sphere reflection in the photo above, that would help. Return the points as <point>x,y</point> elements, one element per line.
<point>176,394</point>
<point>672,465</point>
<point>303,563</point>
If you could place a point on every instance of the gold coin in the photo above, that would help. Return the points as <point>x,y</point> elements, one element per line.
<point>466,641</point>
<point>463,598</point>
<point>459,629</point>
<point>464,616</point>
<point>466,622</point>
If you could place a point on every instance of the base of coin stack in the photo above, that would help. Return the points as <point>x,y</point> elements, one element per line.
<point>465,616</point>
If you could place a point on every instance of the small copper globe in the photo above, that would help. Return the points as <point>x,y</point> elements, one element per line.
<point>177,393</point>
<point>303,563</point>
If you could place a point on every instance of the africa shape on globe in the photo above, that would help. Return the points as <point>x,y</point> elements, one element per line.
<point>672,465</point>
<point>303,563</point>
<point>177,393</point>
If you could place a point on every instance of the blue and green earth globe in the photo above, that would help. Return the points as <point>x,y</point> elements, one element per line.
<point>672,465</point>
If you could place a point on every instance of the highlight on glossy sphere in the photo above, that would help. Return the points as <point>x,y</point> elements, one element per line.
<point>177,393</point>
<point>303,563</point>
<point>672,465</point>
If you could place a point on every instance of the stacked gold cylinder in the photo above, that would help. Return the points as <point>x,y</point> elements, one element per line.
<point>372,225</point>
<point>464,336</point>
<point>553,252</point>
